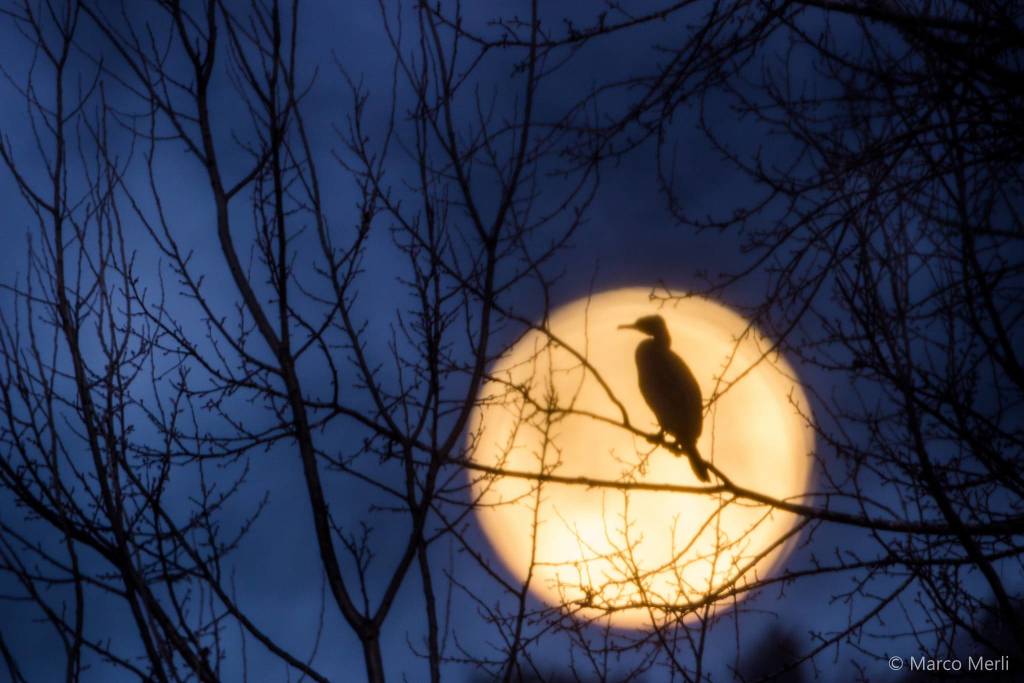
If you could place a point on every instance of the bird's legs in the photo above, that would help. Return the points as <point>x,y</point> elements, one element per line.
<point>660,439</point>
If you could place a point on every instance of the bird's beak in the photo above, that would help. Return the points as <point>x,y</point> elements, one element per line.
<point>631,326</point>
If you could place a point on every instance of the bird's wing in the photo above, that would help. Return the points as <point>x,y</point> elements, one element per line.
<point>689,407</point>
<point>672,392</point>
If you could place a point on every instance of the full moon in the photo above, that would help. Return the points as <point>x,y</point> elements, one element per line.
<point>553,406</point>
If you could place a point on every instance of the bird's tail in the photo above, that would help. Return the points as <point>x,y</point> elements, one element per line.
<point>700,468</point>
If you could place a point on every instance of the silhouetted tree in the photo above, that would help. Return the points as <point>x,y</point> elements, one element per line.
<point>206,288</point>
<point>137,399</point>
<point>887,248</point>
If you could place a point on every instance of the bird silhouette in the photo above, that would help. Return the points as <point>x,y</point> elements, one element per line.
<point>670,389</point>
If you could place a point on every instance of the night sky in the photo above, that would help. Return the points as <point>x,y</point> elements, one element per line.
<point>629,237</point>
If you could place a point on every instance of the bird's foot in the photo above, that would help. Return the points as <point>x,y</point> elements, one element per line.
<point>661,439</point>
<point>657,439</point>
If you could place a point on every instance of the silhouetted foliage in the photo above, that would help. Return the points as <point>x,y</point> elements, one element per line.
<point>773,658</point>
<point>552,678</point>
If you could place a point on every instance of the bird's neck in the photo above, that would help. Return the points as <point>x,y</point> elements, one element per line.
<point>661,340</point>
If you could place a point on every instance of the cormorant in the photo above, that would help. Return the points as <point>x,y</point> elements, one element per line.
<point>670,389</point>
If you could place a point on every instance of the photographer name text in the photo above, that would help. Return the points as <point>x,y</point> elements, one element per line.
<point>978,663</point>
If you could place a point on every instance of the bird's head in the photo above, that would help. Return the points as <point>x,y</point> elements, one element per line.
<point>651,325</point>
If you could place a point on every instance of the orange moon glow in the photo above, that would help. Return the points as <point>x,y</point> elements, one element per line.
<point>602,550</point>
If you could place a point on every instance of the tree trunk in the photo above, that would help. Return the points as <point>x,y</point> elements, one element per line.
<point>374,662</point>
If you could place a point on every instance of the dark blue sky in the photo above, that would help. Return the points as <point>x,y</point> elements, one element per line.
<point>630,238</point>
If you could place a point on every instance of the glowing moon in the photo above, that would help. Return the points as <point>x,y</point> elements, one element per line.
<point>598,549</point>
